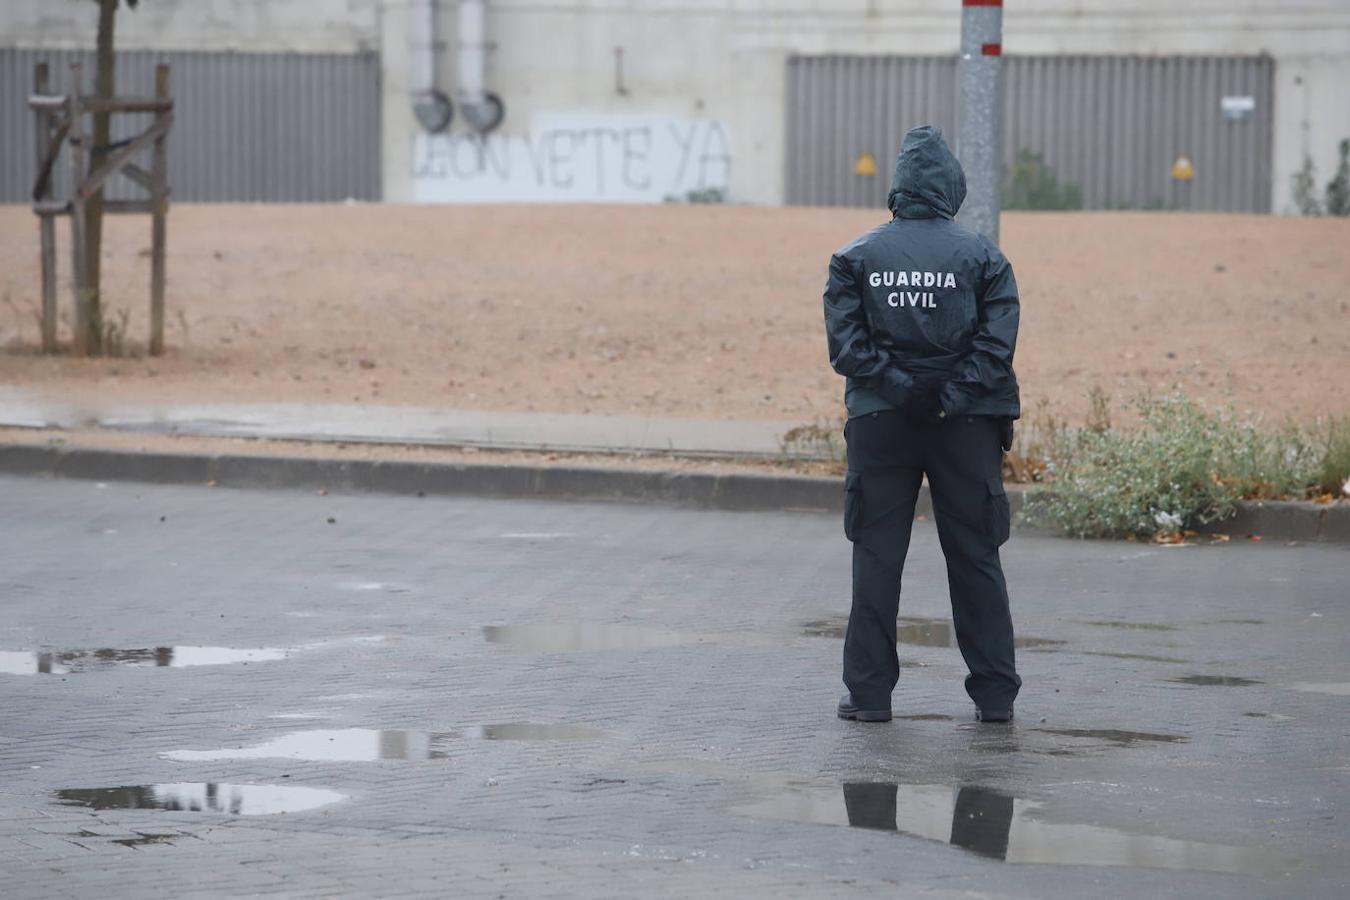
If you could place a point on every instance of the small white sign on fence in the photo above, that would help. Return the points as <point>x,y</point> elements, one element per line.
<point>1237,107</point>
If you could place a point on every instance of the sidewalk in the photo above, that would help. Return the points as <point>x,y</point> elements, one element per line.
<point>369,423</point>
<point>723,445</point>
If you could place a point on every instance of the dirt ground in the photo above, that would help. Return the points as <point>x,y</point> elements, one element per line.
<point>698,311</point>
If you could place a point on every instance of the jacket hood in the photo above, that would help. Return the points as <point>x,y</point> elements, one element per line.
<point>927,174</point>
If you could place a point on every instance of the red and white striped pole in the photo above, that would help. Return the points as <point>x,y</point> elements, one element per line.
<point>979,143</point>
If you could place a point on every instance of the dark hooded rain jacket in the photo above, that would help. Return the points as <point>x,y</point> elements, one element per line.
<point>922,298</point>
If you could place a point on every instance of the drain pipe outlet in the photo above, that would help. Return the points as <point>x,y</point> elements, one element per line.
<point>430,106</point>
<point>482,109</point>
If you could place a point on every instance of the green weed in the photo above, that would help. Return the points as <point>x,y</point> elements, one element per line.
<point>1183,467</point>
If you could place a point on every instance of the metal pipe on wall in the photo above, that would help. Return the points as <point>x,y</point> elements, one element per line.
<point>482,109</point>
<point>472,52</point>
<point>431,106</point>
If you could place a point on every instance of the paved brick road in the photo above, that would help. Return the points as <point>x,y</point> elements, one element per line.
<point>694,750</point>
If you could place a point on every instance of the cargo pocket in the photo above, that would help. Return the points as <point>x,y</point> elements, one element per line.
<point>852,504</point>
<point>997,514</point>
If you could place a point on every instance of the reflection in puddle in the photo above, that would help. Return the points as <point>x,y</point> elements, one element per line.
<point>26,662</point>
<point>370,745</point>
<point>914,630</point>
<point>1336,688</point>
<point>142,838</point>
<point>332,745</point>
<point>998,826</point>
<point>1131,626</point>
<point>203,796</point>
<point>555,637</point>
<point>1116,736</point>
<point>1216,680</point>
<point>65,663</point>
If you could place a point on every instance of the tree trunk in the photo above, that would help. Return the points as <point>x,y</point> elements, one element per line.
<point>104,86</point>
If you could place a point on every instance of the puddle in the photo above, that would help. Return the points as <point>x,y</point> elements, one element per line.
<point>564,637</point>
<point>203,796</point>
<point>143,837</point>
<point>1146,657</point>
<point>532,731</point>
<point>826,628</point>
<point>72,661</point>
<point>1032,643</point>
<point>1216,680</point>
<point>915,631</point>
<point>333,745</point>
<point>1115,735</point>
<point>1131,626</point>
<point>182,656</point>
<point>371,745</point>
<point>1242,622</point>
<point>924,632</point>
<point>926,717</point>
<point>381,586</point>
<point>1000,827</point>
<point>1335,688</point>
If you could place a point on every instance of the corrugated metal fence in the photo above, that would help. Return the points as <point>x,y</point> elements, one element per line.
<point>247,127</point>
<point>1111,125</point>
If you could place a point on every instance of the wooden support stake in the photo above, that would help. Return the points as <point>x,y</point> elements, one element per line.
<point>78,149</point>
<point>46,224</point>
<point>96,104</point>
<point>118,207</point>
<point>47,160</point>
<point>159,196</point>
<point>119,157</point>
<point>51,102</point>
<point>138,175</point>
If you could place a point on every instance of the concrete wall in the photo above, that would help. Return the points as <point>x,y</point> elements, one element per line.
<point>698,72</point>
<point>575,129</point>
<point>302,26</point>
<point>1312,114</point>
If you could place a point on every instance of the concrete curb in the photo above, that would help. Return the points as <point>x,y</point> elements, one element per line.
<point>1282,520</point>
<point>1292,520</point>
<point>703,490</point>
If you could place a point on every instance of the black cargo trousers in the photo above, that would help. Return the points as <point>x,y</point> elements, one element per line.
<point>888,456</point>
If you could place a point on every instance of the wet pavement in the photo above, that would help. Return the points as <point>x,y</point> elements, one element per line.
<point>453,697</point>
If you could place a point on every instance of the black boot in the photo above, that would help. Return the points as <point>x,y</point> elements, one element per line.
<point>849,710</point>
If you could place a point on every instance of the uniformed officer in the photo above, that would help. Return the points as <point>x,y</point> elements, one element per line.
<point>921,316</point>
